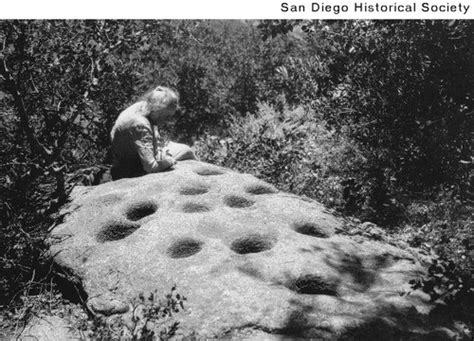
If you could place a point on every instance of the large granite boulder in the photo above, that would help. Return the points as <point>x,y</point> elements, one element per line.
<point>253,262</point>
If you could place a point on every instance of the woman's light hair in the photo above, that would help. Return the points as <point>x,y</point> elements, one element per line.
<point>161,98</point>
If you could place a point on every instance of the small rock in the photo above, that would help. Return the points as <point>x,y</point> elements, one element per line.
<point>48,328</point>
<point>107,306</point>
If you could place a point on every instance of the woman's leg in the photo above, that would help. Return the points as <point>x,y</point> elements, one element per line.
<point>179,151</point>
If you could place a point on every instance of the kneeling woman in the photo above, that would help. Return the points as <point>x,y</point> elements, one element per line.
<point>136,145</point>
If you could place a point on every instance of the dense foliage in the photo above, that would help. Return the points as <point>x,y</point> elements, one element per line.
<point>372,118</point>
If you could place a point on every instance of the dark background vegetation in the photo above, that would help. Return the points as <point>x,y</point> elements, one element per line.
<point>374,119</point>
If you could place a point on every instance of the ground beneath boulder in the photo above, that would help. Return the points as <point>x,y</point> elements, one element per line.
<point>253,262</point>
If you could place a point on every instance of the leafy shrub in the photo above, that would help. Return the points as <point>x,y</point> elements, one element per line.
<point>152,319</point>
<point>442,225</point>
<point>442,222</point>
<point>393,90</point>
<point>290,149</point>
<point>451,287</point>
<point>445,282</point>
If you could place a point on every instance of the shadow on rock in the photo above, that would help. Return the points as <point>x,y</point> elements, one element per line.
<point>363,271</point>
<point>301,323</point>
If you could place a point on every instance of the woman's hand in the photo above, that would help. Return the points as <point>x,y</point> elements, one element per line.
<point>165,163</point>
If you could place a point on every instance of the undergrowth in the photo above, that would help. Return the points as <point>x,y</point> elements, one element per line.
<point>152,318</point>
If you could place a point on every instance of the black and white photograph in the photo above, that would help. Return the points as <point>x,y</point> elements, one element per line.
<point>271,179</point>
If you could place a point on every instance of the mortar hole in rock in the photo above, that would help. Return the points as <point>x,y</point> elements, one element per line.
<point>312,285</point>
<point>185,247</point>
<point>208,171</point>
<point>311,229</point>
<point>192,207</point>
<point>260,189</point>
<point>235,201</point>
<point>116,231</point>
<point>253,243</point>
<point>194,190</point>
<point>141,210</point>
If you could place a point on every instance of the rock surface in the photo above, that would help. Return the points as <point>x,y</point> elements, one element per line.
<point>253,262</point>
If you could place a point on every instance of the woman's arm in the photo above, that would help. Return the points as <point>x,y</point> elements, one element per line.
<point>144,145</point>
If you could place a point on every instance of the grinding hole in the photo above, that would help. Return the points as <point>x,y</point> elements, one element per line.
<point>141,210</point>
<point>251,244</point>
<point>238,202</point>
<point>312,285</point>
<point>260,189</point>
<point>311,229</point>
<point>192,207</point>
<point>185,247</point>
<point>209,171</point>
<point>116,231</point>
<point>194,190</point>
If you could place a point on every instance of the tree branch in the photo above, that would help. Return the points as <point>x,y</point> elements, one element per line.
<point>12,86</point>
